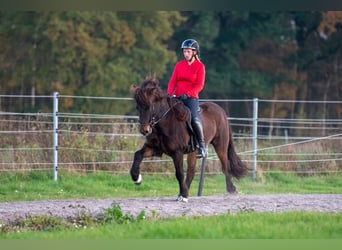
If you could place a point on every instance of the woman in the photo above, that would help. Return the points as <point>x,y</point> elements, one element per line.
<point>186,82</point>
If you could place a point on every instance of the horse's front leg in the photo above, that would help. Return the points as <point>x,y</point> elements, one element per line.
<point>139,155</point>
<point>183,189</point>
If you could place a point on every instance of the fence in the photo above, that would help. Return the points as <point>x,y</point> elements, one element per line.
<point>53,139</point>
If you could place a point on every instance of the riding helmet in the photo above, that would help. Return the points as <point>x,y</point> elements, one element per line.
<point>190,44</point>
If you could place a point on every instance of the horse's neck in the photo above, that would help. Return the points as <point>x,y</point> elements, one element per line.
<point>180,111</point>
<point>164,104</point>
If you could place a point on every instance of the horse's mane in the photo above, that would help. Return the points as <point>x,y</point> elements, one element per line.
<point>150,90</point>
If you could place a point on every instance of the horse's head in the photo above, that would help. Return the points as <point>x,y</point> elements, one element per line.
<point>147,98</point>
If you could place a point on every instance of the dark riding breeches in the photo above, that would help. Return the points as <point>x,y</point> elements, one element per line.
<point>193,105</point>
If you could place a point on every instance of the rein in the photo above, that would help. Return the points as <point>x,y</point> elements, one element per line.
<point>153,121</point>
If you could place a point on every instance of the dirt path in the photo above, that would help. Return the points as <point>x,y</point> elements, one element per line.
<point>168,207</point>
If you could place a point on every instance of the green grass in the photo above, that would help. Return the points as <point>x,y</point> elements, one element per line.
<point>40,186</point>
<point>247,225</point>
<point>293,225</point>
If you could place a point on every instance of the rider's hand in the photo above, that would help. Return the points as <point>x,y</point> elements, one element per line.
<point>183,97</point>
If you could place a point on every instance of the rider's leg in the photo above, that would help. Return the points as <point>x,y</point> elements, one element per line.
<point>196,122</point>
<point>198,129</point>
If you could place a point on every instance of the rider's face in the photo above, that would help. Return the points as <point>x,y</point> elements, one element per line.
<point>188,53</point>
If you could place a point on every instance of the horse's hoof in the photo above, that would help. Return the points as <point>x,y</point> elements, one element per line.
<point>138,182</point>
<point>233,192</point>
<point>182,199</point>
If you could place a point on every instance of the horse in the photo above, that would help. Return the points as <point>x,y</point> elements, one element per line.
<point>164,121</point>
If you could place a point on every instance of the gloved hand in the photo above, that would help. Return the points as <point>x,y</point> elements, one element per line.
<point>183,97</point>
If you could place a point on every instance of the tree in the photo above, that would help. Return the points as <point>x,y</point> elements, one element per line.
<point>83,53</point>
<point>319,35</point>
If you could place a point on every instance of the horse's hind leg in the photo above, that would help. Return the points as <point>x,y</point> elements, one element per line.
<point>221,151</point>
<point>229,184</point>
<point>190,174</point>
<point>183,189</point>
<point>138,157</point>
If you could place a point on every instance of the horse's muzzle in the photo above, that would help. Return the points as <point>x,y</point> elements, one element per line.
<point>145,129</point>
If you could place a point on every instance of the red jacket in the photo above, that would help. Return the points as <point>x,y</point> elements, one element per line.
<point>187,79</point>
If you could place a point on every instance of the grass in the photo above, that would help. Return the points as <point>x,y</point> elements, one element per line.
<point>292,225</point>
<point>40,186</point>
<point>115,225</point>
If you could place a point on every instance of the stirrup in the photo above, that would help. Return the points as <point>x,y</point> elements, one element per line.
<point>202,152</point>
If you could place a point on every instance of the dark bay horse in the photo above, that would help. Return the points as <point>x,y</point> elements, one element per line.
<point>163,122</point>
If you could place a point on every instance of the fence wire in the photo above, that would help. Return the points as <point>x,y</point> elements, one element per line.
<point>107,142</point>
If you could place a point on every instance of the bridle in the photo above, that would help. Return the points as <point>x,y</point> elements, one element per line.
<point>154,121</point>
<point>154,117</point>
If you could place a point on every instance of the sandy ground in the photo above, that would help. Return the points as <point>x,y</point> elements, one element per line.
<point>164,207</point>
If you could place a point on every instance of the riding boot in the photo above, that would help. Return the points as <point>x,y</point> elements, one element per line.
<point>198,129</point>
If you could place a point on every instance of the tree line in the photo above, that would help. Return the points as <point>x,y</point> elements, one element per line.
<point>270,55</point>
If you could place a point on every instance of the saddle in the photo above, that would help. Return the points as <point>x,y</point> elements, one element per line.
<point>192,143</point>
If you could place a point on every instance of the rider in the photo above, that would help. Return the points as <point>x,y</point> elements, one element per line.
<point>187,81</point>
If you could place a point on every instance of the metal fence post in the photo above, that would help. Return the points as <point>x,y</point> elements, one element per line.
<point>255,136</point>
<point>55,135</point>
<point>201,180</point>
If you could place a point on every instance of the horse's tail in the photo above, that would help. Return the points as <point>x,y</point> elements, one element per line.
<point>237,168</point>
